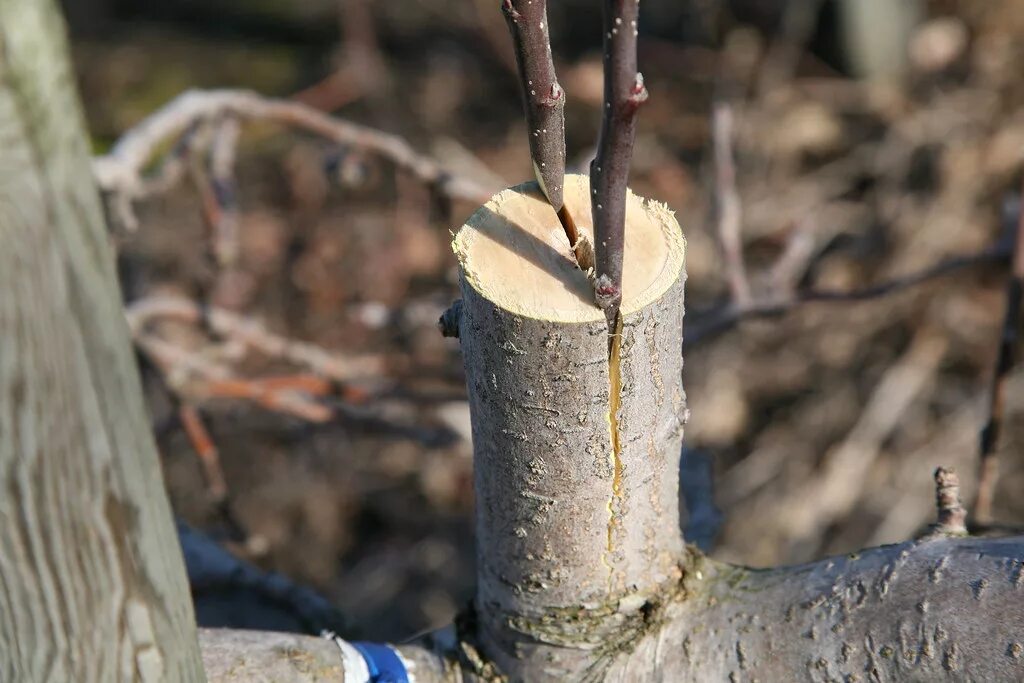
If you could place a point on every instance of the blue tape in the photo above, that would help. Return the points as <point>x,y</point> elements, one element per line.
<point>383,662</point>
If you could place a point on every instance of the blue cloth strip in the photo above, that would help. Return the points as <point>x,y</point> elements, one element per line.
<point>383,662</point>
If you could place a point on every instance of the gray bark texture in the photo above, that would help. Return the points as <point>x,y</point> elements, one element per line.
<point>554,603</point>
<point>577,522</point>
<point>92,585</point>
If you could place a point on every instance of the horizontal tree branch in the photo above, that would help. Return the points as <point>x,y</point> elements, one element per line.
<point>933,609</point>
<point>122,169</point>
<point>250,332</point>
<point>706,325</point>
<point>938,608</point>
<point>239,656</point>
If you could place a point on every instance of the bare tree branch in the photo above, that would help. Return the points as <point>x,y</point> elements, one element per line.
<point>122,171</point>
<point>209,456</point>
<point>252,333</point>
<point>223,152</point>
<point>712,323</point>
<point>624,92</point>
<point>728,208</point>
<point>988,464</point>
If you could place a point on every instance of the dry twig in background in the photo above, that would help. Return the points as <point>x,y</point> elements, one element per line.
<point>709,324</point>
<point>988,464</point>
<point>251,333</point>
<point>362,69</point>
<point>122,172</point>
<point>203,445</point>
<point>843,472</point>
<point>799,19</point>
<point>728,208</point>
<point>224,219</point>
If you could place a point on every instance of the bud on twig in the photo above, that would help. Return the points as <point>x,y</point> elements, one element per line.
<point>543,97</point>
<point>624,92</point>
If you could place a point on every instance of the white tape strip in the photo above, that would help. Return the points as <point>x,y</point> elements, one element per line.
<point>356,669</point>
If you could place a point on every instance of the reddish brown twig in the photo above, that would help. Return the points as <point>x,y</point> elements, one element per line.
<point>198,375</point>
<point>624,92</point>
<point>209,458</point>
<point>952,517</point>
<point>203,445</point>
<point>544,105</point>
<point>988,463</point>
<point>543,97</point>
<point>727,203</point>
<point>291,395</point>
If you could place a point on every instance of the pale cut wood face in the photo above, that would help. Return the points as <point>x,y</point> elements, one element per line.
<point>514,251</point>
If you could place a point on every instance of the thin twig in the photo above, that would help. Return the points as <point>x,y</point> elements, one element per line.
<point>543,97</point>
<point>727,203</point>
<point>712,323</point>
<point>952,516</point>
<point>251,333</point>
<point>122,171</point>
<point>206,450</point>
<point>223,152</point>
<point>988,463</point>
<point>290,396</point>
<point>177,364</point>
<point>193,378</point>
<point>624,92</point>
<point>544,106</point>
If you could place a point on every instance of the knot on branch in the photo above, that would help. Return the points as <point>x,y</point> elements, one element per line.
<point>449,321</point>
<point>554,97</point>
<point>605,629</point>
<point>952,516</point>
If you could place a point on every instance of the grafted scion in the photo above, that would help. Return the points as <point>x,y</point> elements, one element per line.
<point>544,104</point>
<point>624,92</point>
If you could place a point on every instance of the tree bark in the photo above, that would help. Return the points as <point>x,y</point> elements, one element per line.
<point>582,574</point>
<point>92,586</point>
<point>576,457</point>
<point>236,656</point>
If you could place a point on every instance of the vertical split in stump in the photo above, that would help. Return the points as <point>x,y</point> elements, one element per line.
<point>575,541</point>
